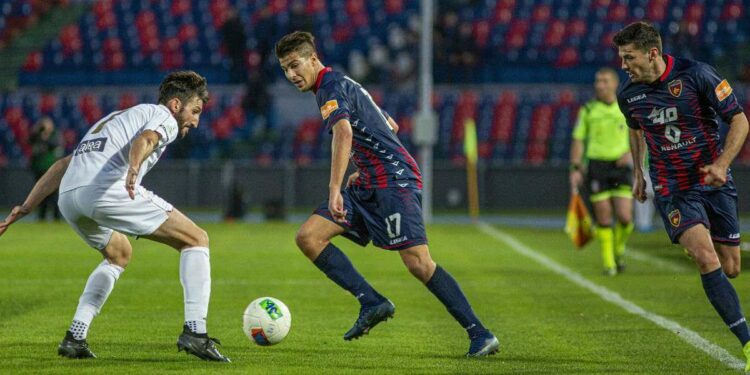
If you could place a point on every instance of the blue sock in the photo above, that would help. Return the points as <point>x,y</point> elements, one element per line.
<point>338,268</point>
<point>446,289</point>
<point>724,298</point>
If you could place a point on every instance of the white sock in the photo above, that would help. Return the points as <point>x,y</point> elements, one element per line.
<point>98,287</point>
<point>195,276</point>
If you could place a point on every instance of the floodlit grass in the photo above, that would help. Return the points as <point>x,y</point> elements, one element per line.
<point>545,323</point>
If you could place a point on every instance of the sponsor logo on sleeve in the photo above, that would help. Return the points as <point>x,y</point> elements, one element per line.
<point>328,108</point>
<point>723,90</point>
<point>675,88</point>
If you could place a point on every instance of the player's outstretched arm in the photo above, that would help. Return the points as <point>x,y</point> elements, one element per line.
<point>716,173</point>
<point>143,146</point>
<point>47,184</point>
<point>638,151</point>
<point>341,147</point>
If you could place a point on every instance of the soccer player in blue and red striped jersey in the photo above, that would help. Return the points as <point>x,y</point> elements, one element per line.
<point>381,202</point>
<point>673,107</point>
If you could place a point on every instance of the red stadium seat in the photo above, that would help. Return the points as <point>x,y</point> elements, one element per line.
<point>618,12</point>
<point>47,103</point>
<point>504,118</point>
<point>481,33</point>
<point>394,6</point>
<point>127,100</point>
<point>315,6</point>
<point>555,35</point>
<point>70,39</point>
<point>34,62</point>
<point>541,13</point>
<point>517,33</point>
<point>577,28</point>
<point>466,108</point>
<point>733,11</point>
<point>180,7</point>
<point>568,58</point>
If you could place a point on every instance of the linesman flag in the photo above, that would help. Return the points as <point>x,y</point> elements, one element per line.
<point>578,224</point>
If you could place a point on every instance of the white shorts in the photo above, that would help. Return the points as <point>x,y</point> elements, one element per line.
<point>95,211</point>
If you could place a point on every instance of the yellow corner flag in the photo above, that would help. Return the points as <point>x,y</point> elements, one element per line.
<point>470,151</point>
<point>578,224</point>
<point>470,141</point>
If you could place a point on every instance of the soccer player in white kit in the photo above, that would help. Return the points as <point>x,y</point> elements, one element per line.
<point>101,198</point>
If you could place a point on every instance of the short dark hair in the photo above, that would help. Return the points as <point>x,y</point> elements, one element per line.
<point>641,34</point>
<point>183,85</point>
<point>301,42</point>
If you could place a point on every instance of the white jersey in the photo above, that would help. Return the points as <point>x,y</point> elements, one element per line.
<point>101,158</point>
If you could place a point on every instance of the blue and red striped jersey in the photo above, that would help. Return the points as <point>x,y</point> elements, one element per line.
<point>382,160</point>
<point>679,115</point>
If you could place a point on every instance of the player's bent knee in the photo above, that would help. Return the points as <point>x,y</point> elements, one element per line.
<point>197,238</point>
<point>202,238</point>
<point>706,260</point>
<point>118,251</point>
<point>307,241</point>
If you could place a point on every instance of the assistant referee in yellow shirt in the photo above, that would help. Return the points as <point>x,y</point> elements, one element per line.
<point>601,135</point>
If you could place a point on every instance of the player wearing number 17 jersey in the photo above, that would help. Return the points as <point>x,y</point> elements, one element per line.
<point>381,202</point>
<point>672,106</point>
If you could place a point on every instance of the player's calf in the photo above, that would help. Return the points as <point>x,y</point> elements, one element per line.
<point>419,262</point>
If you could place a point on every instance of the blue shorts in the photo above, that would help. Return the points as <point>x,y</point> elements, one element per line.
<point>716,209</point>
<point>391,218</point>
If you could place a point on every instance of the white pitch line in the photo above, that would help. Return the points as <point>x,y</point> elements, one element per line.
<point>661,263</point>
<point>688,335</point>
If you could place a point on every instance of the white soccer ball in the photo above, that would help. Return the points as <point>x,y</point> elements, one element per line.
<point>266,321</point>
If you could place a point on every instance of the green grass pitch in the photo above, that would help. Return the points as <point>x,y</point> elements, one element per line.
<point>545,323</point>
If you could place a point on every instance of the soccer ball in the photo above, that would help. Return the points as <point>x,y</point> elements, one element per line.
<point>266,321</point>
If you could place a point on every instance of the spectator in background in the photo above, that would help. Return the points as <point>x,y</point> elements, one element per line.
<point>45,150</point>
<point>235,41</point>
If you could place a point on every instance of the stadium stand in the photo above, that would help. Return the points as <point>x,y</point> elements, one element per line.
<point>482,41</point>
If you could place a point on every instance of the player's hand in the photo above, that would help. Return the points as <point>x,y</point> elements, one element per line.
<point>352,177</point>
<point>576,179</point>
<point>130,181</point>
<point>626,160</point>
<point>16,214</point>
<point>639,189</point>
<point>714,175</point>
<point>336,206</point>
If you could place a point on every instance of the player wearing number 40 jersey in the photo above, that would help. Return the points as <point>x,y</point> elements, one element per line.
<point>672,106</point>
<point>102,200</point>
<point>381,202</point>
